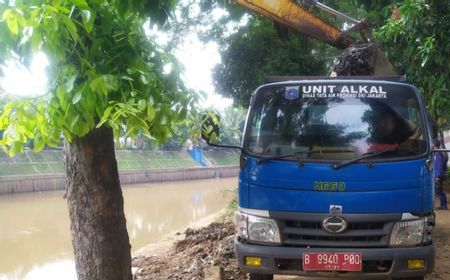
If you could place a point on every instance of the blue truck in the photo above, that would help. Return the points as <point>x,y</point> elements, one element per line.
<point>335,180</point>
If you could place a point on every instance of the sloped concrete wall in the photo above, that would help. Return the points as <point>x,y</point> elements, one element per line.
<point>37,183</point>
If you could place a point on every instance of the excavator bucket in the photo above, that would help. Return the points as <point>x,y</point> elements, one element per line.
<point>381,65</point>
<point>363,60</point>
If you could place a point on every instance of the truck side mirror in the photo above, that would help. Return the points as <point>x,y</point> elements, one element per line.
<point>210,127</point>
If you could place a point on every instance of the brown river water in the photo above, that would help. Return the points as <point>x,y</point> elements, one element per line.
<point>35,230</point>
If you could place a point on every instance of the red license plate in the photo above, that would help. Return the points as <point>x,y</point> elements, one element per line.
<point>332,261</point>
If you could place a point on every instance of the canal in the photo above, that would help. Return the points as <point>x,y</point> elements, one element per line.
<point>35,229</point>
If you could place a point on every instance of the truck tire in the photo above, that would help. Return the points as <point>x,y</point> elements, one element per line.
<point>255,276</point>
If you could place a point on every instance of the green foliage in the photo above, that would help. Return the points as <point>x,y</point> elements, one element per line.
<point>232,195</point>
<point>103,71</point>
<point>375,12</point>
<point>417,43</point>
<point>256,51</point>
<point>232,125</point>
<point>210,20</point>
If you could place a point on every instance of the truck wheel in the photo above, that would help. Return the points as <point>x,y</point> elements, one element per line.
<point>254,276</point>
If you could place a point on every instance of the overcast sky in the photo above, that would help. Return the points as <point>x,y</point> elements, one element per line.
<point>21,81</point>
<point>199,59</point>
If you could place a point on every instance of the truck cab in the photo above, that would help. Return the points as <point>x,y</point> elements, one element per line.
<point>336,180</point>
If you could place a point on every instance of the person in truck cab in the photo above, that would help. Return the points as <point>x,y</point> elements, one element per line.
<point>383,137</point>
<point>389,130</point>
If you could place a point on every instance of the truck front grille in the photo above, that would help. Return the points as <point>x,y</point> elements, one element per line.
<point>363,230</point>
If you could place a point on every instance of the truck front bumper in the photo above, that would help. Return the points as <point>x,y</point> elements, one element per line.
<point>377,262</point>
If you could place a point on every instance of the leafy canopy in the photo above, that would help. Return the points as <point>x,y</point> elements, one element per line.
<point>416,37</point>
<point>255,52</point>
<point>232,125</point>
<point>104,71</point>
<point>211,20</point>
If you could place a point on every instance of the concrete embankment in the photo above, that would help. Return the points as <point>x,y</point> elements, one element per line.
<point>37,183</point>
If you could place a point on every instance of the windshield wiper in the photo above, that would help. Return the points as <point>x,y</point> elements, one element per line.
<point>264,159</point>
<point>364,156</point>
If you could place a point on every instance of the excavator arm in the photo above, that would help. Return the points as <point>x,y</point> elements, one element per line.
<point>288,13</point>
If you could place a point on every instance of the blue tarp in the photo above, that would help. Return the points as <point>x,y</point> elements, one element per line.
<point>197,154</point>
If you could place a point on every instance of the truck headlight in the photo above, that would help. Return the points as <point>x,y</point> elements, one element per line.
<point>408,233</point>
<point>256,228</point>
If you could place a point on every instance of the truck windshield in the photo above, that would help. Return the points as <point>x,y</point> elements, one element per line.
<point>335,121</point>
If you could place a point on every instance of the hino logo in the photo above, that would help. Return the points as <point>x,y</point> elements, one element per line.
<point>334,224</point>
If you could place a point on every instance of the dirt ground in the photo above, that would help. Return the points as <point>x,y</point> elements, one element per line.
<point>207,253</point>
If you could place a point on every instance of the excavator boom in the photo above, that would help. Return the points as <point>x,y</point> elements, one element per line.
<point>288,13</point>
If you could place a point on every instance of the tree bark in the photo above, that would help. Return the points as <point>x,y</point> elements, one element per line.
<point>95,201</point>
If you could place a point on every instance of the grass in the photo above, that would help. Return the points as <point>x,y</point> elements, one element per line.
<point>153,160</point>
<point>46,162</point>
<point>51,161</point>
<point>222,157</point>
<point>232,193</point>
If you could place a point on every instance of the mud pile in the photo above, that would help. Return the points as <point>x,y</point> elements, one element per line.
<point>363,59</point>
<point>201,253</point>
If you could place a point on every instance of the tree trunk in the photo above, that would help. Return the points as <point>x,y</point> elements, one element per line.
<point>98,225</point>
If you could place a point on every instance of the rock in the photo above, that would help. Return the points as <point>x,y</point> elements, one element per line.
<point>134,270</point>
<point>214,273</point>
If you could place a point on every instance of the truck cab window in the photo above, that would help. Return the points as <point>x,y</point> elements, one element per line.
<point>335,128</point>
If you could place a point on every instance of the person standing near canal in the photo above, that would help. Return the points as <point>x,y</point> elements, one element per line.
<point>439,174</point>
